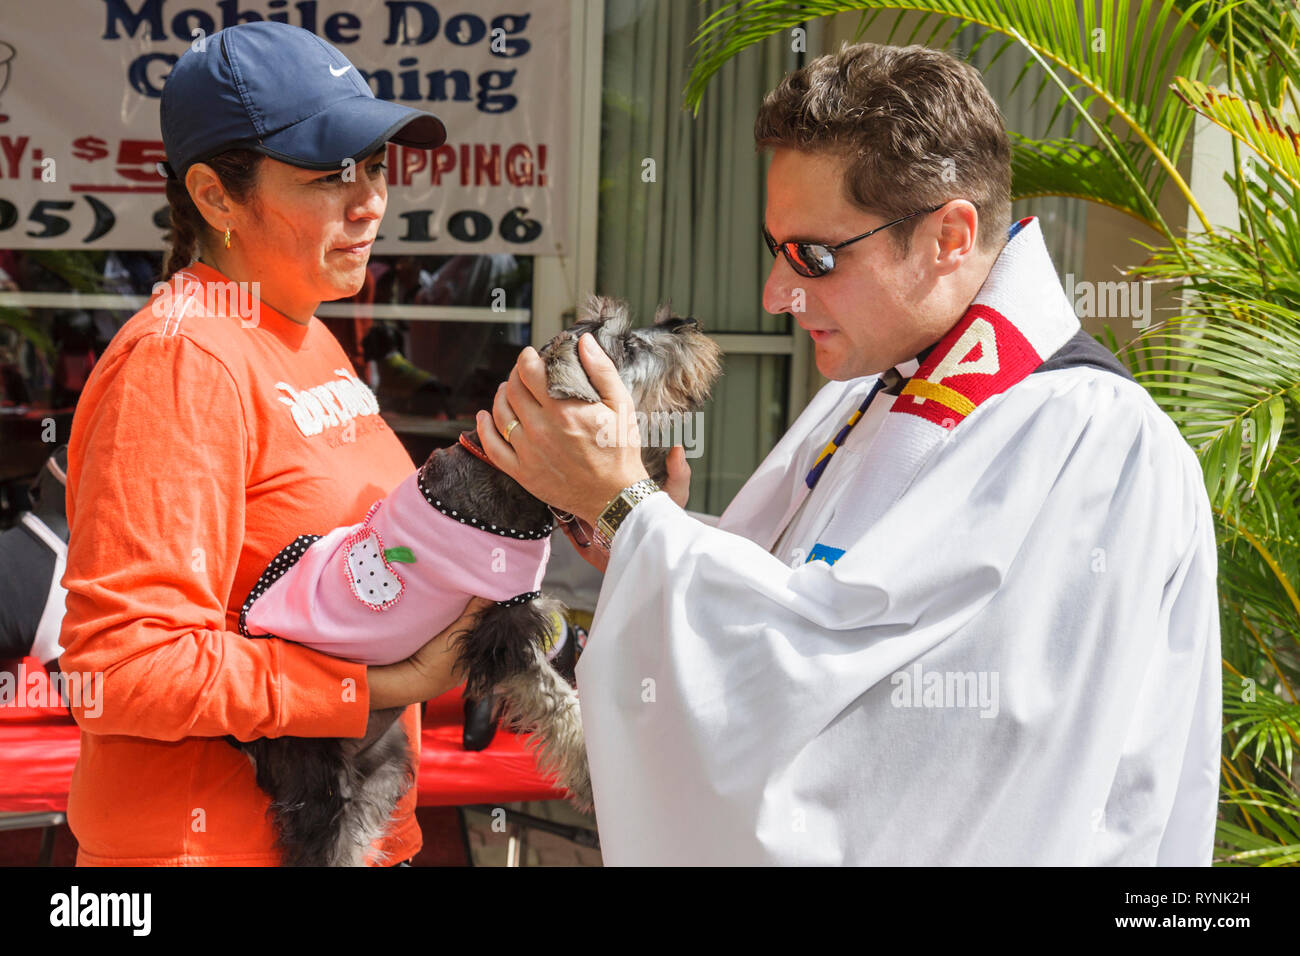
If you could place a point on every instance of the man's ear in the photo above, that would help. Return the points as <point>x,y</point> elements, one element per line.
<point>958,235</point>
<point>214,204</point>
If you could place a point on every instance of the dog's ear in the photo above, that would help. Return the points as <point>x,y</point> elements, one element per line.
<point>664,313</point>
<point>612,323</point>
<point>593,309</point>
<point>613,331</point>
<point>605,318</point>
<point>610,314</point>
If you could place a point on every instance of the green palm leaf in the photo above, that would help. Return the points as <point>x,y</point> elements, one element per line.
<point>1066,167</point>
<point>1230,403</point>
<point>1270,835</point>
<point>1268,721</point>
<point>1265,51</point>
<point>1259,127</point>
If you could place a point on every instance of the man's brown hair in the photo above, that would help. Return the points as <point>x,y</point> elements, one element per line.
<point>915,125</point>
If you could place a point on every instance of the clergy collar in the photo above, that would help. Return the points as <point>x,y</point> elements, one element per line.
<point>897,377</point>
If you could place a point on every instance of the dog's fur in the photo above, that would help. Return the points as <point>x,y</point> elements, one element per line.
<point>333,797</point>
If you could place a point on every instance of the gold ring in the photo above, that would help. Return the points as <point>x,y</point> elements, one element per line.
<point>510,428</point>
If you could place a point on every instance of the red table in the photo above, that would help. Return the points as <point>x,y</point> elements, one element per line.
<point>38,749</point>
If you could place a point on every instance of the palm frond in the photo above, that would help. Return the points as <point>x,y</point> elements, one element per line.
<point>1266,831</point>
<point>1260,127</point>
<point>1244,361</point>
<point>1267,721</point>
<point>1066,167</point>
<point>1264,44</point>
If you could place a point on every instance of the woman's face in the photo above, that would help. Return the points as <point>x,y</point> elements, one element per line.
<point>306,235</point>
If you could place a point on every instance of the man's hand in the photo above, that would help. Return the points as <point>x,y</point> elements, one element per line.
<point>678,484</point>
<point>678,487</point>
<point>590,551</point>
<point>574,455</point>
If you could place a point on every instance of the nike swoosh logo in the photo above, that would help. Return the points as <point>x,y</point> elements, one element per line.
<point>334,72</point>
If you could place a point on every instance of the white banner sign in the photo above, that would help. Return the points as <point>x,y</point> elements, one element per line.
<point>80,82</point>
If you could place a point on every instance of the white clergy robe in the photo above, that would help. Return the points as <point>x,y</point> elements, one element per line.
<point>988,635</point>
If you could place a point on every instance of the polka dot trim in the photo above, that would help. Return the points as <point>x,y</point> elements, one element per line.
<point>521,599</point>
<point>436,503</point>
<point>281,563</point>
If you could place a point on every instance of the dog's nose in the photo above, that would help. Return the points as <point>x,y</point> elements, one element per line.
<point>677,324</point>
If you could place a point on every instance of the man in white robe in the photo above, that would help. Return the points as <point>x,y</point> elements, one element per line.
<point>984,630</point>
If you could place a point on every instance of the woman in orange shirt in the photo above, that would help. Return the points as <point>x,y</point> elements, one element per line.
<point>222,422</point>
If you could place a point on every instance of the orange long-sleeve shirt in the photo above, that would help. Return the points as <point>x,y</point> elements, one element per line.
<point>203,444</point>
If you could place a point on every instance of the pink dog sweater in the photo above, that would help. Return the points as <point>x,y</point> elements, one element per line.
<point>342,593</point>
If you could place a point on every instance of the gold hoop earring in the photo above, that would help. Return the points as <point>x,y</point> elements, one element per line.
<point>227,237</point>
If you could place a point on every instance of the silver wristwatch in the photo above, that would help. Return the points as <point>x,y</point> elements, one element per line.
<point>611,518</point>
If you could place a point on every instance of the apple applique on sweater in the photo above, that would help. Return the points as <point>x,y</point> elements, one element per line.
<point>370,575</point>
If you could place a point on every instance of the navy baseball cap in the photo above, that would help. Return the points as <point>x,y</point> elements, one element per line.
<point>284,92</point>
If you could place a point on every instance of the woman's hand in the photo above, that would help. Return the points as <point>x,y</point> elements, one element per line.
<point>429,672</point>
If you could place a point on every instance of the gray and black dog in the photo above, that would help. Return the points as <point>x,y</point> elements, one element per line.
<point>331,798</point>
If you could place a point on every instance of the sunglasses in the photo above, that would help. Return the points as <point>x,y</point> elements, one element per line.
<point>813,259</point>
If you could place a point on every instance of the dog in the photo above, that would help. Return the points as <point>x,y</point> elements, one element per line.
<point>331,798</point>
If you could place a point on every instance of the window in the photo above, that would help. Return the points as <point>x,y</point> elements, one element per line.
<point>680,205</point>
